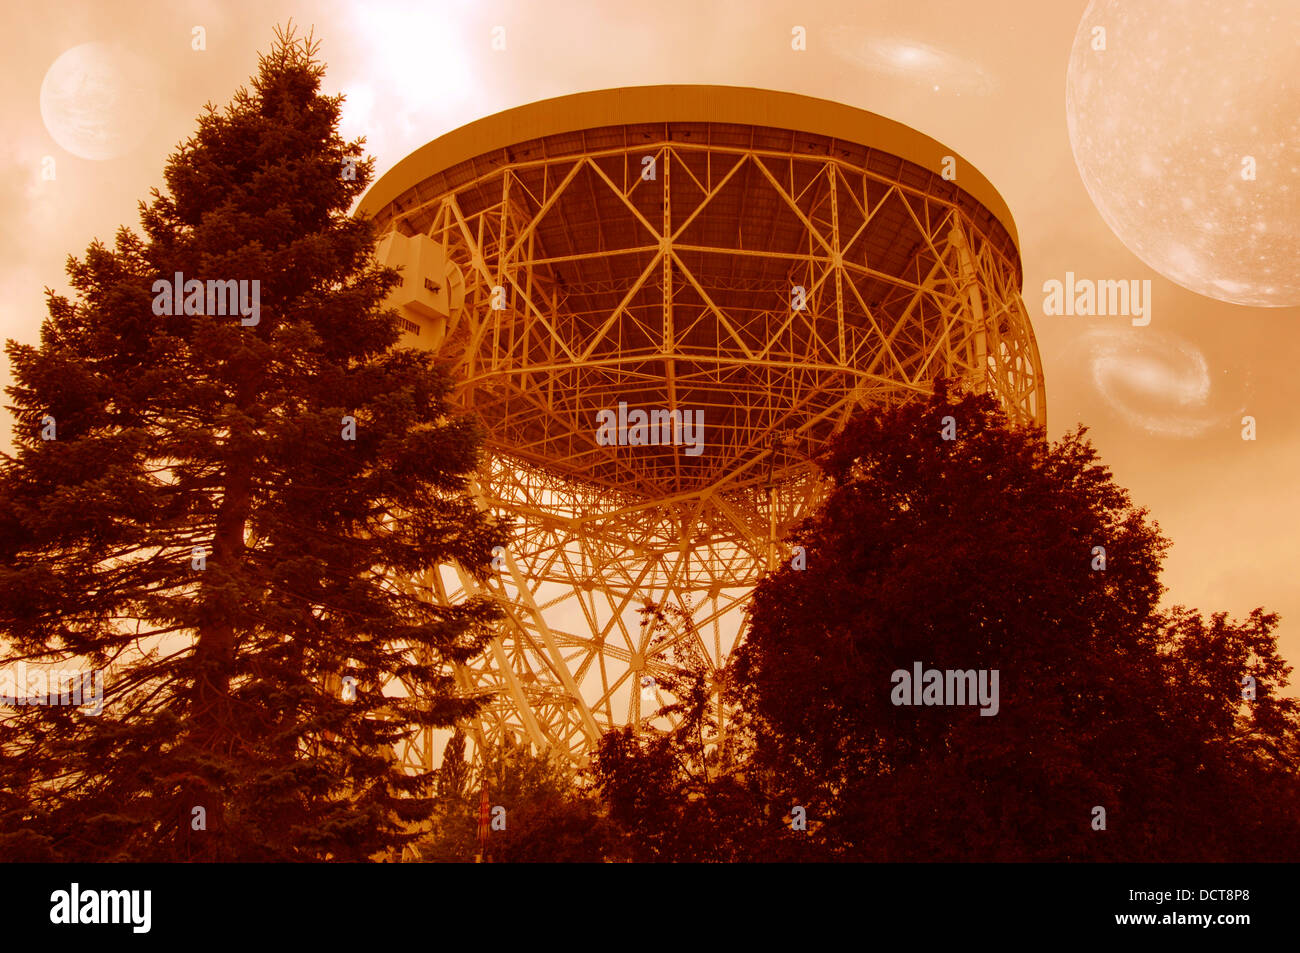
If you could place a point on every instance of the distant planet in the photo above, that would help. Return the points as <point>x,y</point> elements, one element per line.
<point>1169,122</point>
<point>99,100</point>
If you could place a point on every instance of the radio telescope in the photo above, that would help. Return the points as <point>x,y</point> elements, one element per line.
<point>758,263</point>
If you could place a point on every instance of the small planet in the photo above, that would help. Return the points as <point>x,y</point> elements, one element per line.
<point>1185,124</point>
<point>99,100</point>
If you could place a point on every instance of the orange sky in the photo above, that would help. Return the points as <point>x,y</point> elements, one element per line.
<point>416,70</point>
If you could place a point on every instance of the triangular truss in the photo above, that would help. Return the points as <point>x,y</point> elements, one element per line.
<point>772,290</point>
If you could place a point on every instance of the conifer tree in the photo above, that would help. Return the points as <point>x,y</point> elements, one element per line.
<point>214,507</point>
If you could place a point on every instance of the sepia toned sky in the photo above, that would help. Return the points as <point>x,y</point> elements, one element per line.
<point>1166,114</point>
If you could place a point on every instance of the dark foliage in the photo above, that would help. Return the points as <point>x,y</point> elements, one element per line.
<point>550,815</point>
<point>978,553</point>
<point>195,435</point>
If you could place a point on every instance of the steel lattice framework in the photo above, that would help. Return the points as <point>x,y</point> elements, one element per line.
<point>770,260</point>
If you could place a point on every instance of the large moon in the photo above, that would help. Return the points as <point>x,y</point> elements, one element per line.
<point>99,100</point>
<point>1169,122</point>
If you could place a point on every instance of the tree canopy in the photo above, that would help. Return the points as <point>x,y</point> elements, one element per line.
<point>1121,731</point>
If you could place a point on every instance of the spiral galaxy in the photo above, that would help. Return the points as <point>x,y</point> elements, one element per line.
<point>1156,381</point>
